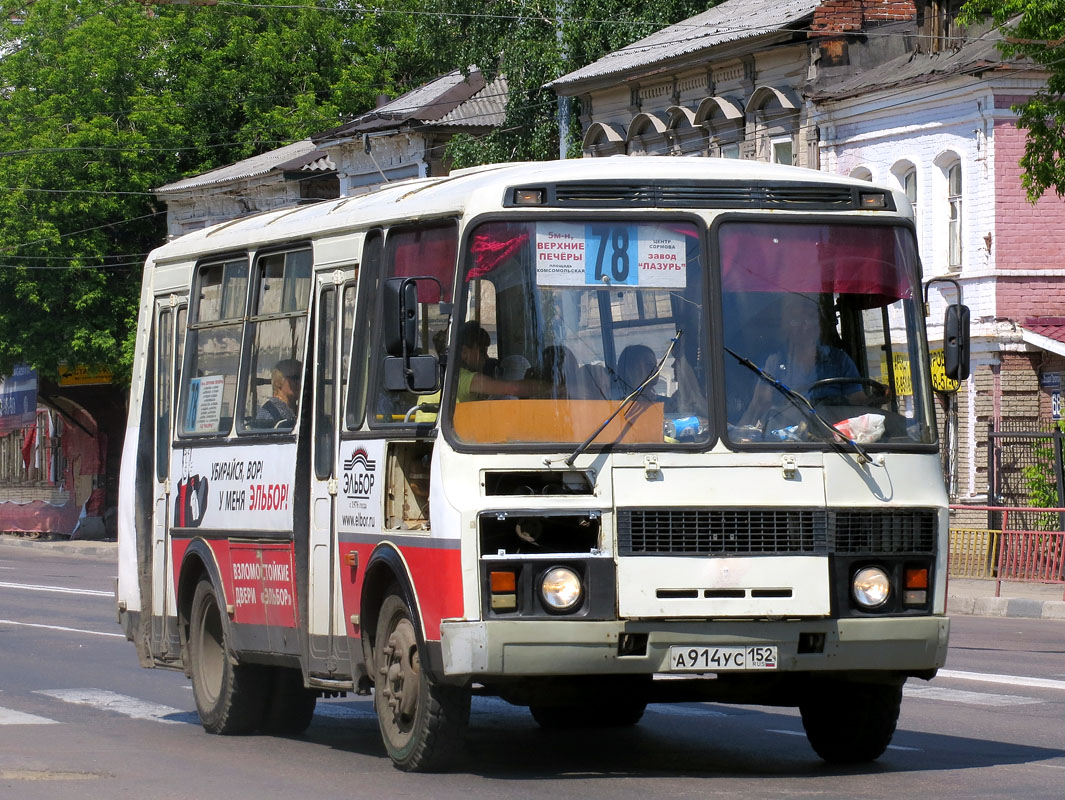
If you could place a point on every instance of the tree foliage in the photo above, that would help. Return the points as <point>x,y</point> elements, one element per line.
<point>102,101</point>
<point>532,43</point>
<point>1035,29</point>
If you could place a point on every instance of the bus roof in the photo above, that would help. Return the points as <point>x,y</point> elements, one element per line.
<point>470,191</point>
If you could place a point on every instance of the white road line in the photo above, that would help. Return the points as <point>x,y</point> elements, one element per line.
<point>1009,680</point>
<point>969,698</point>
<point>11,717</point>
<point>56,589</point>
<point>59,628</point>
<point>684,711</point>
<point>119,703</point>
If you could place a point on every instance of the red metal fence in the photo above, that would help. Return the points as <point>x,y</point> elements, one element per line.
<point>1007,555</point>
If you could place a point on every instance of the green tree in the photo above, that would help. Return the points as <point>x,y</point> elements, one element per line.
<point>104,101</point>
<point>100,101</point>
<point>1035,29</point>
<point>532,43</point>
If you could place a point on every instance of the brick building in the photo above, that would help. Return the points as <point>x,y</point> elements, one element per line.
<point>893,91</point>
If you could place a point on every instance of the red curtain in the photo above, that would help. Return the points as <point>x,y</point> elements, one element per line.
<point>844,259</point>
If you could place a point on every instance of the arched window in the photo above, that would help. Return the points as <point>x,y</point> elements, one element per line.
<point>722,119</point>
<point>954,211</point>
<point>862,174</point>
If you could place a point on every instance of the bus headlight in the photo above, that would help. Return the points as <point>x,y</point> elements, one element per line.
<point>871,587</point>
<point>561,589</point>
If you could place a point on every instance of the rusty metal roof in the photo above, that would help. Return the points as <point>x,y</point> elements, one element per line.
<point>729,22</point>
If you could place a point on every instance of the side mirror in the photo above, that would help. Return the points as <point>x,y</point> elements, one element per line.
<point>417,374</point>
<point>956,342</point>
<point>401,316</point>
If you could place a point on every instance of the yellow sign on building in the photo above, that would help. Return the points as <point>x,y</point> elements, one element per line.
<point>82,375</point>
<point>903,380</point>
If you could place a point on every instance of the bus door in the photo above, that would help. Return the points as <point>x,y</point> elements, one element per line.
<point>335,311</point>
<point>170,317</point>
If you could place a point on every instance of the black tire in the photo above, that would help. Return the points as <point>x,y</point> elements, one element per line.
<point>619,713</point>
<point>423,723</point>
<point>291,706</point>
<point>851,723</point>
<point>229,697</point>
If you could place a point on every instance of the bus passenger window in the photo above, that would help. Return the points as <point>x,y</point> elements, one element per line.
<point>209,383</point>
<point>277,328</point>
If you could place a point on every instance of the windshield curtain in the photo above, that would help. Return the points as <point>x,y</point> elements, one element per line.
<point>564,322</point>
<point>828,310</point>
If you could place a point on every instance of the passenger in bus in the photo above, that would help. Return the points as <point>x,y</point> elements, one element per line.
<point>279,410</point>
<point>636,364</point>
<point>558,368</point>
<point>474,342</point>
<point>802,360</point>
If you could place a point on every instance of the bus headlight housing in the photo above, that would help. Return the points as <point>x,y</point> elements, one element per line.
<point>871,587</point>
<point>561,589</point>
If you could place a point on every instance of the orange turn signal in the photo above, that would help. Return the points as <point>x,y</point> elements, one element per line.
<point>916,578</point>
<point>503,582</point>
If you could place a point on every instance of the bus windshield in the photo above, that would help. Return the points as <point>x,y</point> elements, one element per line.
<point>831,311</point>
<point>567,320</point>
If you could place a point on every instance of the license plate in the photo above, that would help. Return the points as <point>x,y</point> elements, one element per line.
<point>722,659</point>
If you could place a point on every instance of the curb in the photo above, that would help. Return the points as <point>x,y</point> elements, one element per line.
<point>100,550</point>
<point>1017,607</point>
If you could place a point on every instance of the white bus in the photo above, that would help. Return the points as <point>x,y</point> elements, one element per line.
<point>555,432</point>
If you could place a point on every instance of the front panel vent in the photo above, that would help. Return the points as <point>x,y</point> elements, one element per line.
<point>732,532</point>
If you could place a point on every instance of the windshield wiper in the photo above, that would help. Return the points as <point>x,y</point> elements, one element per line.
<point>834,437</point>
<point>626,402</point>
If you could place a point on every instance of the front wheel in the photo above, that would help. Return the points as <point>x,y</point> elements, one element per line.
<point>850,723</point>
<point>423,723</point>
<point>229,697</point>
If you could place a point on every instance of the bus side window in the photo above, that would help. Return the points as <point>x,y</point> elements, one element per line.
<point>277,328</point>
<point>209,382</point>
<point>426,250</point>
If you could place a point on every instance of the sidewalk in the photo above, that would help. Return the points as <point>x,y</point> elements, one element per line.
<point>964,597</point>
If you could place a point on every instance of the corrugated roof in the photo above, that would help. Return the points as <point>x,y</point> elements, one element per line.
<point>728,22</point>
<point>428,103</point>
<point>915,68</point>
<point>297,155</point>
<point>487,108</point>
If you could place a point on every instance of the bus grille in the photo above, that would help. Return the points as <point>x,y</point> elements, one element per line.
<point>728,532</point>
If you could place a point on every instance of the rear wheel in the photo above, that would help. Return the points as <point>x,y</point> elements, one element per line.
<point>229,697</point>
<point>423,723</point>
<point>849,723</point>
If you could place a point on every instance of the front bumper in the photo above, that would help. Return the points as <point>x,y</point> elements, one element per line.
<point>553,647</point>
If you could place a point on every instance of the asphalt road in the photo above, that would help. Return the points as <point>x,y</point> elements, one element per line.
<point>79,717</point>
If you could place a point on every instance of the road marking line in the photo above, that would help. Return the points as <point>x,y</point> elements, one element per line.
<point>57,589</point>
<point>9,716</point>
<point>685,711</point>
<point>121,704</point>
<point>59,628</point>
<point>1010,680</point>
<point>971,698</point>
